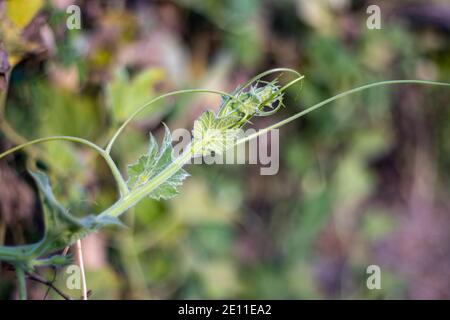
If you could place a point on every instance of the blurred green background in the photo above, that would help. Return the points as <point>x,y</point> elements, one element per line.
<point>363,181</point>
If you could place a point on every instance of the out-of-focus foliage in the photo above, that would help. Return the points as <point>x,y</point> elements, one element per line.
<point>363,181</point>
<point>125,95</point>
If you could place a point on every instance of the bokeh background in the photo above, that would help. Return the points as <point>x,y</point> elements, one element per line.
<point>362,181</point>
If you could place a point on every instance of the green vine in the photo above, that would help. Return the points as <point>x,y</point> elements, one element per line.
<point>156,174</point>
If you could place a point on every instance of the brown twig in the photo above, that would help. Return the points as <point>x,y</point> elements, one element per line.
<point>83,273</point>
<point>41,280</point>
<point>55,272</point>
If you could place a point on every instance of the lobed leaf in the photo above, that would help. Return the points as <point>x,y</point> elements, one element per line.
<point>62,228</point>
<point>213,134</point>
<point>151,164</point>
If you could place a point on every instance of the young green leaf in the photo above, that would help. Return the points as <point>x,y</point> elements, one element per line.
<point>61,229</point>
<point>216,133</point>
<point>55,215</point>
<point>212,134</point>
<point>151,164</point>
<point>253,101</point>
<point>60,226</point>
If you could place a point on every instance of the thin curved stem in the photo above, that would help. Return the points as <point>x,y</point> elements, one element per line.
<point>122,186</point>
<point>268,113</point>
<point>52,138</point>
<point>79,250</point>
<point>266,73</point>
<point>329,100</point>
<point>147,104</point>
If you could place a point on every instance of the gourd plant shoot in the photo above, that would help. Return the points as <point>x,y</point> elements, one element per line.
<point>156,174</point>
